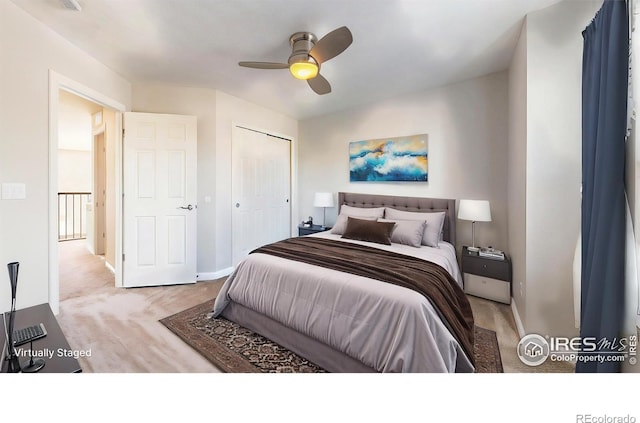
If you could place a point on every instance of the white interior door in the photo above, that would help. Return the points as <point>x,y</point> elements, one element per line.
<point>261,190</point>
<point>159,204</point>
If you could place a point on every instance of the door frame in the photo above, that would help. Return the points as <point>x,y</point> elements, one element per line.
<point>293,175</point>
<point>99,171</point>
<point>59,82</point>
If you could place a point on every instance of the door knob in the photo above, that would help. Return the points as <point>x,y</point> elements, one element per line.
<point>237,205</point>
<point>189,207</point>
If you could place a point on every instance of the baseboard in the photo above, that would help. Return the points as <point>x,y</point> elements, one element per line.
<point>516,317</point>
<point>110,267</point>
<point>210,276</point>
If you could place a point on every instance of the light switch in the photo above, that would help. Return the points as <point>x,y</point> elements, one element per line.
<point>12,191</point>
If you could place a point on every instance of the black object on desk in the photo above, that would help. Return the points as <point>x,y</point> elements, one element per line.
<point>53,349</point>
<point>29,334</point>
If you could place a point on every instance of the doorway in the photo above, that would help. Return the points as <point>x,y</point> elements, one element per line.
<point>57,83</point>
<point>85,193</point>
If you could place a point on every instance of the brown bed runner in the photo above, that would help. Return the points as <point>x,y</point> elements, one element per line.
<point>425,277</point>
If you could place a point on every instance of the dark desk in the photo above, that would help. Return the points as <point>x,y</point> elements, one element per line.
<point>55,350</point>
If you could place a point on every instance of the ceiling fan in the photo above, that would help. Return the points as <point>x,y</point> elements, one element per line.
<point>308,53</point>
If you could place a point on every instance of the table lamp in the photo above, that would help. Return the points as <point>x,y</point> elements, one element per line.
<point>324,200</point>
<point>475,211</point>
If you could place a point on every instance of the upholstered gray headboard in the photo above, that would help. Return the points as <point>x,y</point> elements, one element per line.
<point>414,204</point>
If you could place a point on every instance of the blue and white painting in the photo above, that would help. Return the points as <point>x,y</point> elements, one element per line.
<point>389,159</point>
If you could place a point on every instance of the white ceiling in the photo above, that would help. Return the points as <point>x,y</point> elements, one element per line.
<point>399,46</point>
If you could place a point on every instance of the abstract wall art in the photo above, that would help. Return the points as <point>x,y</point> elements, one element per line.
<point>389,159</point>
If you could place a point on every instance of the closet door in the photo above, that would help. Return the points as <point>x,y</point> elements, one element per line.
<point>261,190</point>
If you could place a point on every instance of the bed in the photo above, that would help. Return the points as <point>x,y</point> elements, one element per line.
<point>364,320</point>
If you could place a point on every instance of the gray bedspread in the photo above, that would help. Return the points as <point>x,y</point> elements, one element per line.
<point>386,327</point>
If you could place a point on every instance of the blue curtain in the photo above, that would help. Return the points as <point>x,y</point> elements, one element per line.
<point>604,113</point>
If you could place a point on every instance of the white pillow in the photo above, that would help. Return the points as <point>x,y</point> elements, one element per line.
<point>407,232</point>
<point>341,223</point>
<point>433,229</point>
<point>375,212</point>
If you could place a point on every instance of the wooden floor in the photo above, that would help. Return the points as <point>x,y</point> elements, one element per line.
<point>121,328</point>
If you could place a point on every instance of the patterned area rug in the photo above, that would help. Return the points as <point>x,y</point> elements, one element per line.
<point>235,349</point>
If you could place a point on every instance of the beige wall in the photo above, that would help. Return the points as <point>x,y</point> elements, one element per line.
<point>467,126</point>
<point>28,51</point>
<point>75,123</point>
<point>516,174</point>
<point>552,173</point>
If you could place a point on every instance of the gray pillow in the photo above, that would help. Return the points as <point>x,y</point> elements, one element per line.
<point>361,211</point>
<point>435,223</point>
<point>341,223</point>
<point>407,232</point>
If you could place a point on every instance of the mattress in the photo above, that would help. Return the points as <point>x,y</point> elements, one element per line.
<point>385,327</point>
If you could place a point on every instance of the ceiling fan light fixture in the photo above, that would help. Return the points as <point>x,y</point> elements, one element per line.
<point>304,69</point>
<point>307,54</point>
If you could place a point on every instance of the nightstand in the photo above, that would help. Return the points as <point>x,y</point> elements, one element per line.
<point>486,277</point>
<point>308,230</point>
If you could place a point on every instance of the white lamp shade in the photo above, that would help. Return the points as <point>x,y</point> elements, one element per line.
<point>323,199</point>
<point>474,210</point>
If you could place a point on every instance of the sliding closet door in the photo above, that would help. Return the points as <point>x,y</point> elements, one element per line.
<point>261,190</point>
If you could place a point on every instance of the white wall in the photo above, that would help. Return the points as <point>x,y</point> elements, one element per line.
<point>75,123</point>
<point>75,139</point>
<point>74,171</point>
<point>216,112</point>
<point>28,50</point>
<point>517,166</point>
<point>632,302</point>
<point>553,171</point>
<point>467,127</point>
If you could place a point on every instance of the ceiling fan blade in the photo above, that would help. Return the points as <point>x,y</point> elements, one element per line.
<point>332,44</point>
<point>320,85</point>
<point>264,65</point>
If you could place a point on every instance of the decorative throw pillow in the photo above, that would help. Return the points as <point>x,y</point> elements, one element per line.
<point>369,230</point>
<point>433,229</point>
<point>341,223</point>
<point>407,232</point>
<point>362,212</point>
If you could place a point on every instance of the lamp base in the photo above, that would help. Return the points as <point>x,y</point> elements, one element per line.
<point>32,366</point>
